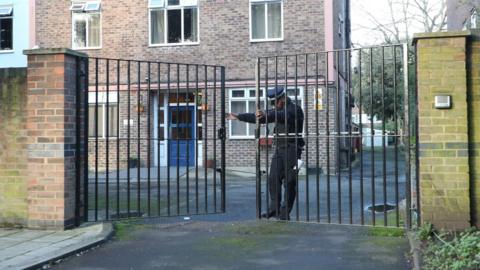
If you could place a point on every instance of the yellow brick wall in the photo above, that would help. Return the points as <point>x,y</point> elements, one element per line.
<point>443,145</point>
<point>13,158</point>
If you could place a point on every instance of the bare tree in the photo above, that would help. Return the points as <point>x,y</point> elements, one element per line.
<point>403,17</point>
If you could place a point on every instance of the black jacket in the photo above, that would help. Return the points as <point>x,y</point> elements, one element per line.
<point>285,120</point>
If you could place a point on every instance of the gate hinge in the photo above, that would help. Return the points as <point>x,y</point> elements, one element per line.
<point>221,134</point>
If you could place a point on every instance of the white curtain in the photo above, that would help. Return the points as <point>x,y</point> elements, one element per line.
<point>94,30</point>
<point>258,21</point>
<point>79,30</point>
<point>157,26</point>
<point>274,20</point>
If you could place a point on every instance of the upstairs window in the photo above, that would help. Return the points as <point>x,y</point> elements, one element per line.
<point>173,22</point>
<point>266,20</point>
<point>6,28</point>
<point>86,25</point>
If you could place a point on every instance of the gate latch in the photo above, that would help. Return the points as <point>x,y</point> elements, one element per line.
<point>221,134</point>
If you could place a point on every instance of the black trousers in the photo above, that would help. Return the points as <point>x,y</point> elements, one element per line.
<point>282,173</point>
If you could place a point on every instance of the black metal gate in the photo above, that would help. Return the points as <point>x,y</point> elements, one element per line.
<point>357,132</point>
<point>153,139</point>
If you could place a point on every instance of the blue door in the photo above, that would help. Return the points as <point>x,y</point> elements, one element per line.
<point>182,135</point>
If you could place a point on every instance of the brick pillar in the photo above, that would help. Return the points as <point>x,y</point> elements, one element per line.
<point>51,137</point>
<point>443,133</point>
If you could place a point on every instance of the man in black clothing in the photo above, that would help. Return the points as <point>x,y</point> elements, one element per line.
<point>288,119</point>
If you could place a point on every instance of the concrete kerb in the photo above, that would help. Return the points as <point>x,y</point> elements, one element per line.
<point>105,234</point>
<point>415,250</point>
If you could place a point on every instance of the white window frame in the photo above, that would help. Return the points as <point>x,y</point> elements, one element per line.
<point>165,8</point>
<point>83,11</point>
<point>102,102</point>
<point>265,2</point>
<point>8,15</point>
<point>246,98</point>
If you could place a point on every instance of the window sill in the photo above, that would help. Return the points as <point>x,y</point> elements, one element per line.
<point>6,51</point>
<point>173,44</point>
<point>87,48</point>
<point>266,40</point>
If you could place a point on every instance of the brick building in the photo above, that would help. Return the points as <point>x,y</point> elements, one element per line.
<point>229,33</point>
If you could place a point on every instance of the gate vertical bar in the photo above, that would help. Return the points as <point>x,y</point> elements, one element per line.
<point>362,214</point>
<point>86,137</point>
<point>107,134</point>
<point>349,111</point>
<point>128,135</point>
<point>407,138</point>
<point>395,120</point>
<point>339,183</point>
<point>138,135</point>
<point>328,135</point>
<point>307,183</point>
<point>168,138</point>
<point>205,146</point>
<point>297,203</point>
<point>159,136</point>
<point>384,150</point>
<point>267,187</point>
<point>215,138</point>
<point>118,139</point>
<point>317,143</point>
<point>223,139</point>
<point>96,139</point>
<point>372,137</point>
<point>178,139</point>
<point>149,133</point>
<point>257,137</point>
<point>197,135</point>
<point>187,98</point>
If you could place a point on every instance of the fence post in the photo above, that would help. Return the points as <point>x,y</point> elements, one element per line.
<point>52,137</point>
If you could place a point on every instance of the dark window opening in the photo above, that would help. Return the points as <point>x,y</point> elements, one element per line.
<point>6,38</point>
<point>174,26</point>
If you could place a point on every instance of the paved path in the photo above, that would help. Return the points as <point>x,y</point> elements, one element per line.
<point>21,249</point>
<point>236,240</point>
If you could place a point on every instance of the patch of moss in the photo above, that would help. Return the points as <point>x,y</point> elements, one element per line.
<point>386,231</point>
<point>264,228</point>
<point>125,228</point>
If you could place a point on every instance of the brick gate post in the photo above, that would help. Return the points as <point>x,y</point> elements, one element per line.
<point>51,130</point>
<point>442,63</point>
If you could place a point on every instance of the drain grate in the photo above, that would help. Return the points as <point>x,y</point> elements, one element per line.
<point>380,208</point>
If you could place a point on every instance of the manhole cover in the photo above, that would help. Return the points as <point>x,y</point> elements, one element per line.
<point>380,208</point>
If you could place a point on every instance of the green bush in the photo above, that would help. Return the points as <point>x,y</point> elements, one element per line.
<point>460,252</point>
<point>425,232</point>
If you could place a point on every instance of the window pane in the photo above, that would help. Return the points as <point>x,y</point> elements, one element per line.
<point>238,93</point>
<point>173,2</point>
<point>258,21</point>
<point>252,93</point>
<point>239,128</point>
<point>274,20</point>
<point>157,26</point>
<point>80,30</point>
<point>190,25</point>
<point>94,30</point>
<point>174,26</point>
<point>113,120</point>
<point>92,120</point>
<point>6,34</point>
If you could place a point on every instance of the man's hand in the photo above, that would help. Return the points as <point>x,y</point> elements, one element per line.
<point>231,116</point>
<point>259,114</point>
